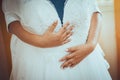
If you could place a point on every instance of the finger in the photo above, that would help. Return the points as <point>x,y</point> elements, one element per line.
<point>66,41</point>
<point>72,49</point>
<point>74,64</point>
<point>67,63</point>
<point>53,26</point>
<point>67,32</point>
<point>64,28</point>
<point>78,60</point>
<point>70,65</point>
<point>64,58</point>
<point>69,56</point>
<point>66,25</point>
<point>68,36</point>
<point>71,27</point>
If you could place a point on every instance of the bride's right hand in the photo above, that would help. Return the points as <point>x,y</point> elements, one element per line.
<point>52,39</point>
<point>48,39</point>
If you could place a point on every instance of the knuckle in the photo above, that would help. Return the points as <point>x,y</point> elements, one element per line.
<point>58,39</point>
<point>58,36</point>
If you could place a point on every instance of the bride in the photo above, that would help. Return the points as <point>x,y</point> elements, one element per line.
<point>55,40</point>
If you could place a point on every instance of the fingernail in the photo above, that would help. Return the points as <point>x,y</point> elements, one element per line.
<point>66,50</point>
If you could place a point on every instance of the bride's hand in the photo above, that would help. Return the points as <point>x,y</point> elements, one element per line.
<point>52,39</point>
<point>76,55</point>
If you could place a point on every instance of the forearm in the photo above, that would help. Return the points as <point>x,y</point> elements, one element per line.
<point>78,53</point>
<point>46,40</point>
<point>94,31</point>
<point>32,39</point>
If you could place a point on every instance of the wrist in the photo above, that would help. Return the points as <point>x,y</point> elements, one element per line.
<point>38,41</point>
<point>90,46</point>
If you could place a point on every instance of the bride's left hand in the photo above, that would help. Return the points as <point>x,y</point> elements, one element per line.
<point>76,55</point>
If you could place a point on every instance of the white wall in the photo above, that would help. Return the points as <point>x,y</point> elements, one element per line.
<point>107,38</point>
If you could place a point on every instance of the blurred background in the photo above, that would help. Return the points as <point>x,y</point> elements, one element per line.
<point>109,39</point>
<point>108,35</point>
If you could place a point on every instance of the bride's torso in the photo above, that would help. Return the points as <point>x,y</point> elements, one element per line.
<point>37,15</point>
<point>40,14</point>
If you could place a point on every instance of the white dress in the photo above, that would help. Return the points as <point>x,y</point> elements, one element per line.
<point>35,63</point>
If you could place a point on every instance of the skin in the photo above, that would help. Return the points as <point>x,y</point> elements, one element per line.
<point>48,39</point>
<point>51,39</point>
<point>77,53</point>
